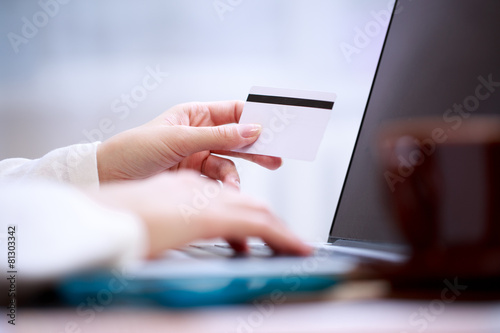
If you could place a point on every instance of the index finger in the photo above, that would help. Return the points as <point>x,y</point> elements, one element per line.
<point>221,113</point>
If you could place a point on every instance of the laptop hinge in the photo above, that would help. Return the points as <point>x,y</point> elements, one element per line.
<point>386,247</point>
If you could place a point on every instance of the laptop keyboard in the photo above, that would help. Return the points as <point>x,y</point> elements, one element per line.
<point>223,250</point>
<point>255,250</point>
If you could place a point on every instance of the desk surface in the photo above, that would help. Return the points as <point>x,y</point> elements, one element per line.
<point>352,307</point>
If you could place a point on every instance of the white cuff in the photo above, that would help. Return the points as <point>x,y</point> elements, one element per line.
<point>76,164</point>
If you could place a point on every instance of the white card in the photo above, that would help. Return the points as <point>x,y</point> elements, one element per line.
<point>293,121</point>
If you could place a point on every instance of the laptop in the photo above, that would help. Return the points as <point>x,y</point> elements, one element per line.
<point>435,56</point>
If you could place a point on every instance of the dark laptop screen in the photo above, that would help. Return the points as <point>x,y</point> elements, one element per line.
<point>435,55</point>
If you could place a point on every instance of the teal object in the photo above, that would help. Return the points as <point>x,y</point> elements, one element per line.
<point>184,292</point>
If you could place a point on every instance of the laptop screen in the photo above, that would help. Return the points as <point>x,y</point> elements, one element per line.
<point>436,53</point>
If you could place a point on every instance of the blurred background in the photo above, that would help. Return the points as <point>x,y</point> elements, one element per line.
<point>65,69</point>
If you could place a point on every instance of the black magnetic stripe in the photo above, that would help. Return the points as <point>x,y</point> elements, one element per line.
<point>310,103</point>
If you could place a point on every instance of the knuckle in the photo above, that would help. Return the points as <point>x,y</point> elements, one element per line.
<point>260,207</point>
<point>199,111</point>
<point>187,177</point>
<point>223,133</point>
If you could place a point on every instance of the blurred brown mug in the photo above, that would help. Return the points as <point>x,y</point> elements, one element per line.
<point>443,186</point>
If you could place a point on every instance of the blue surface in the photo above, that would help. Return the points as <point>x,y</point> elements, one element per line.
<point>184,292</point>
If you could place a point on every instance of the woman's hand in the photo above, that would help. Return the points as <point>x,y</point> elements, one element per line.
<point>183,207</point>
<point>185,137</point>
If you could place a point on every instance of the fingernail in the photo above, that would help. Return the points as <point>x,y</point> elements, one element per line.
<point>249,130</point>
<point>233,183</point>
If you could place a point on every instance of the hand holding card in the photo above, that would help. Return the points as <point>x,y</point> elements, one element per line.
<point>293,121</point>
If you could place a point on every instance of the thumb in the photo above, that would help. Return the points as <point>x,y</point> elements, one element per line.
<point>224,137</point>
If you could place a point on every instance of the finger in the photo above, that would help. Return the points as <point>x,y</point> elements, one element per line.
<point>255,220</point>
<point>219,113</point>
<point>222,169</point>
<point>239,245</point>
<point>224,137</point>
<point>281,240</point>
<point>269,162</point>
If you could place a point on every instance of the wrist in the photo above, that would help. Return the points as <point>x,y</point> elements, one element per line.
<point>103,168</point>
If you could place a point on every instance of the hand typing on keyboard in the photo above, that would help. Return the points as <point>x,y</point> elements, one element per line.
<point>184,207</point>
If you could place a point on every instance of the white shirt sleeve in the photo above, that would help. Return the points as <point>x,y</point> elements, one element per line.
<point>59,230</point>
<point>76,165</point>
